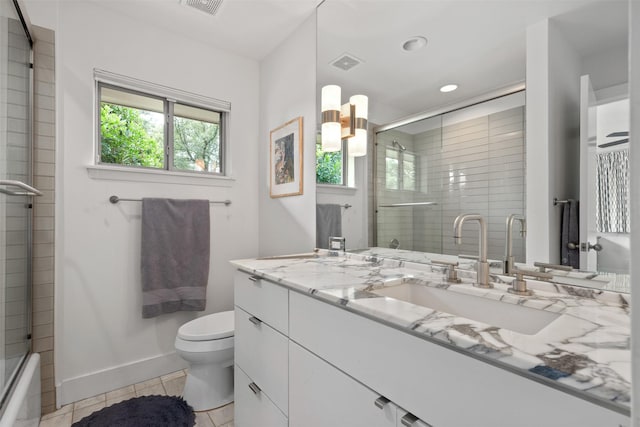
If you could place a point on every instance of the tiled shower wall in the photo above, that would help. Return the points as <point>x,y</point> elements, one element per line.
<point>473,166</point>
<point>43,230</point>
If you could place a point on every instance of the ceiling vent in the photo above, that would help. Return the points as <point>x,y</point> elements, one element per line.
<point>346,62</point>
<point>209,6</point>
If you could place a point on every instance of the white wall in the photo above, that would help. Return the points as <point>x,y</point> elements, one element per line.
<point>537,117</point>
<point>553,71</point>
<point>287,91</point>
<point>102,342</point>
<point>564,132</point>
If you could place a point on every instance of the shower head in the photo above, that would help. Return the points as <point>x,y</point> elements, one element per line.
<point>400,146</point>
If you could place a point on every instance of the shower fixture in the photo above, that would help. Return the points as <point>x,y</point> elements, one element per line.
<point>208,6</point>
<point>400,146</point>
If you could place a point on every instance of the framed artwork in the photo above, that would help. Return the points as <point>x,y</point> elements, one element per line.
<point>285,168</point>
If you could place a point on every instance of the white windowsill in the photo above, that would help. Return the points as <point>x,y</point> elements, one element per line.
<point>158,176</point>
<point>335,189</point>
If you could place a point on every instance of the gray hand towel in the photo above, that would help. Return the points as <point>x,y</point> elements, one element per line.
<point>174,255</point>
<point>328,224</point>
<point>570,234</point>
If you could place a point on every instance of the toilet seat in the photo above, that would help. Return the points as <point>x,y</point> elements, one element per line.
<point>214,326</point>
<point>204,346</point>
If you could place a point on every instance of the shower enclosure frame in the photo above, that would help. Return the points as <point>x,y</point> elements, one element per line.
<point>489,96</point>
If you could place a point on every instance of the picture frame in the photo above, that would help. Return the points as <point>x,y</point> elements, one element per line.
<point>285,159</point>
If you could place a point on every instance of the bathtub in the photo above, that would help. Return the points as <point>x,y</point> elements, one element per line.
<point>23,407</point>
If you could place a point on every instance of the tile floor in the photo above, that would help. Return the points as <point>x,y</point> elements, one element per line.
<point>169,385</point>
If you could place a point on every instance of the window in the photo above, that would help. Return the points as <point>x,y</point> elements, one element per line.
<point>157,129</point>
<point>392,175</point>
<point>400,167</point>
<point>331,167</point>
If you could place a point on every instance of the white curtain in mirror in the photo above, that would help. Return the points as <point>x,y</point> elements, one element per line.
<point>612,198</point>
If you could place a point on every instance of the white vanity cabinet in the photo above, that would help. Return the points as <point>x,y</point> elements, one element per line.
<point>261,352</point>
<point>442,387</point>
<point>302,362</point>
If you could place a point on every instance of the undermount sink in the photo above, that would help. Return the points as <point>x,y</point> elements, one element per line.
<point>514,317</point>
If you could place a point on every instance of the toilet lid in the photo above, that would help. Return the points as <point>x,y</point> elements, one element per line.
<point>211,327</point>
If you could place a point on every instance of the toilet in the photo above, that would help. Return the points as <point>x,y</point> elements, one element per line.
<point>207,344</point>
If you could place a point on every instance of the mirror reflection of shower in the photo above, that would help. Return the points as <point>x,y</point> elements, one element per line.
<point>430,170</point>
<point>400,146</point>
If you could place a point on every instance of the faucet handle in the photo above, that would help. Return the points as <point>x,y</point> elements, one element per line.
<point>532,273</point>
<point>519,285</point>
<point>450,269</point>
<point>543,266</point>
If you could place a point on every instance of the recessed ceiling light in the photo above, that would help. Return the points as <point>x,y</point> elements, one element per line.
<point>414,43</point>
<point>448,88</point>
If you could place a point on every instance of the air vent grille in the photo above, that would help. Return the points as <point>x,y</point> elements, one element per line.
<point>346,62</point>
<point>209,6</point>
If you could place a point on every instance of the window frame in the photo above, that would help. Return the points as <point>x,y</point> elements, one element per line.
<point>170,97</point>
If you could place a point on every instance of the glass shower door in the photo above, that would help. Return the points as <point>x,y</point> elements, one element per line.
<point>408,187</point>
<point>15,194</point>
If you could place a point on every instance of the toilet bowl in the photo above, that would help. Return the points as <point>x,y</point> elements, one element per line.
<point>206,343</point>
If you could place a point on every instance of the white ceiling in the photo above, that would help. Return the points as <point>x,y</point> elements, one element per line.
<point>478,44</point>
<point>251,28</point>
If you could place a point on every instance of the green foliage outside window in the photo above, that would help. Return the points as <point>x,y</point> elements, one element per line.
<point>197,145</point>
<point>133,137</point>
<point>328,166</point>
<point>129,137</point>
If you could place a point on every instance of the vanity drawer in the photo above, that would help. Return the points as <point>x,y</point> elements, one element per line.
<point>262,353</point>
<point>322,396</point>
<point>263,299</point>
<point>252,406</point>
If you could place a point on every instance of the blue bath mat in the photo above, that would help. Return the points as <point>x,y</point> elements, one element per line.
<point>146,411</point>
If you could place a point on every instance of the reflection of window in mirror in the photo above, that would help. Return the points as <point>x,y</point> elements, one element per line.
<point>329,166</point>
<point>400,168</point>
<point>408,171</point>
<point>335,168</point>
<point>392,169</point>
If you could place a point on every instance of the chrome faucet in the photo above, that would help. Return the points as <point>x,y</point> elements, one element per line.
<point>482,266</point>
<point>508,257</point>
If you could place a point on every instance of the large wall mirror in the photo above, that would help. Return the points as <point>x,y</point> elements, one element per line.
<point>434,154</point>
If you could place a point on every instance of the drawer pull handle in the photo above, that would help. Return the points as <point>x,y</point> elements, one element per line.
<point>254,388</point>
<point>254,278</point>
<point>381,401</point>
<point>255,320</point>
<point>408,420</point>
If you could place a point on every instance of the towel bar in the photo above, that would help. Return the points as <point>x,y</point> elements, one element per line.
<point>557,201</point>
<point>116,199</point>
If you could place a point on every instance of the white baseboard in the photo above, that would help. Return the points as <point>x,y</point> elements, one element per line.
<point>78,388</point>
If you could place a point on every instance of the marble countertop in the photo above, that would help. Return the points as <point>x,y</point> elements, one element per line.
<point>585,351</point>
<point>608,281</point>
